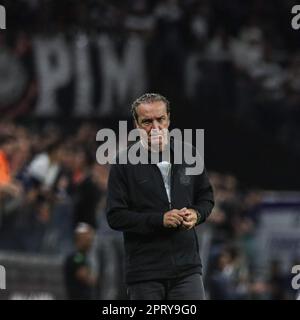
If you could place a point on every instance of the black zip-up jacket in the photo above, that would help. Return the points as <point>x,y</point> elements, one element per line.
<point>136,203</point>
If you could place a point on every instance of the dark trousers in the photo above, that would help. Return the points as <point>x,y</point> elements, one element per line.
<point>186,288</point>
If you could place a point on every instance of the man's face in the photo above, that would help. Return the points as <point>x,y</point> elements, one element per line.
<point>154,120</point>
<point>85,240</point>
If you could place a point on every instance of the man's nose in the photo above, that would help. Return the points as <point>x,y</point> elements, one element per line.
<point>155,125</point>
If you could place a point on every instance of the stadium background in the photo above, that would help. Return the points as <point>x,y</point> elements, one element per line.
<point>70,68</point>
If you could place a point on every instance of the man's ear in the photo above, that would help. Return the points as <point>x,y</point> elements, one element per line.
<point>169,119</point>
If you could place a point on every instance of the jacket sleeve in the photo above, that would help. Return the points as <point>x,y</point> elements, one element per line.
<point>203,196</point>
<point>119,214</point>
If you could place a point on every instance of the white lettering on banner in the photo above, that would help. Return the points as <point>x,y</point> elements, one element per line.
<point>32,296</point>
<point>2,278</point>
<point>53,71</point>
<point>83,74</point>
<point>2,17</point>
<point>121,78</point>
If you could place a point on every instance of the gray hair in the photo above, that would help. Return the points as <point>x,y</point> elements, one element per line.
<point>148,98</point>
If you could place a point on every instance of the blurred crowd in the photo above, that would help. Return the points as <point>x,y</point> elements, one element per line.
<point>246,52</point>
<point>44,176</point>
<point>232,271</point>
<point>50,184</point>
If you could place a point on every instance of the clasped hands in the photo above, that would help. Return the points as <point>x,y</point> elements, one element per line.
<point>184,218</point>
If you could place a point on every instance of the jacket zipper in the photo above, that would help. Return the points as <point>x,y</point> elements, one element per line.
<point>163,185</point>
<point>170,207</point>
<point>171,188</point>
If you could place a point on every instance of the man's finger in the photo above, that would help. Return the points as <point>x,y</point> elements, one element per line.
<point>178,222</point>
<point>177,217</point>
<point>175,221</point>
<point>187,225</point>
<point>189,218</point>
<point>171,225</point>
<point>183,213</point>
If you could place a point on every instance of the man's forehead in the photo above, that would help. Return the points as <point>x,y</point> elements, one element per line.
<point>152,109</point>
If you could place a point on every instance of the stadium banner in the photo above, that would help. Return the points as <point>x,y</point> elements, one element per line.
<point>52,76</point>
<point>278,234</point>
<point>87,75</point>
<point>32,277</point>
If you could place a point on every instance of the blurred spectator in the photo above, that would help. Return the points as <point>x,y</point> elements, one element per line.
<point>11,190</point>
<point>248,48</point>
<point>230,279</point>
<point>199,25</point>
<point>276,281</point>
<point>33,233</point>
<point>8,186</point>
<point>219,47</point>
<point>86,193</point>
<point>140,19</point>
<point>45,167</point>
<point>79,280</point>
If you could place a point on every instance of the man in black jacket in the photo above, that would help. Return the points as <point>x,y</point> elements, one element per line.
<point>157,207</point>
